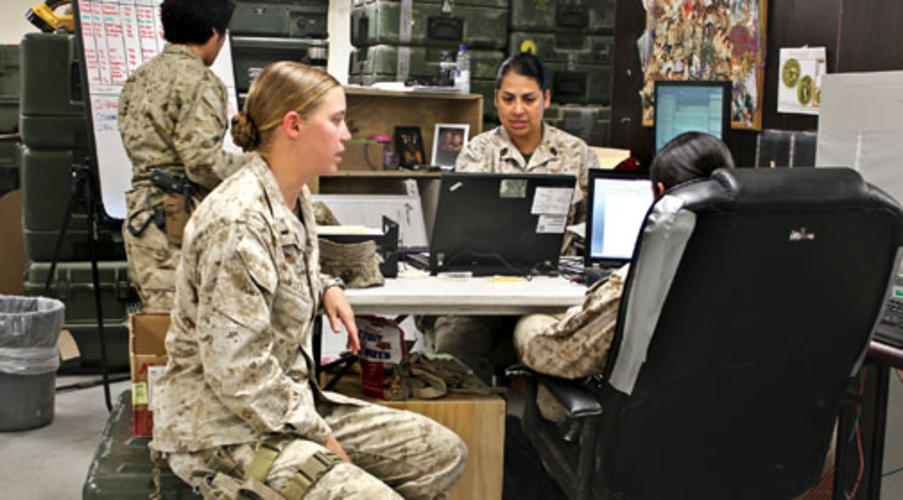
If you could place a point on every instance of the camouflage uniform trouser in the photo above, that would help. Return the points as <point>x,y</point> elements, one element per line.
<point>390,449</point>
<point>472,339</point>
<point>152,267</point>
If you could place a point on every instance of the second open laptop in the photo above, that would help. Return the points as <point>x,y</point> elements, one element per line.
<point>617,206</point>
<point>509,224</point>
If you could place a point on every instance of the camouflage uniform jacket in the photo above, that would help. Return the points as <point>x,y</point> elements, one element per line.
<point>172,116</point>
<point>575,344</point>
<point>239,345</point>
<point>558,153</point>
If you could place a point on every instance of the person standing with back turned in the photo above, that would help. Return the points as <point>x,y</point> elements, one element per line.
<point>172,120</point>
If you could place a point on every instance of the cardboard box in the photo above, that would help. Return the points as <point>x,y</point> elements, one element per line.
<point>147,358</point>
<point>478,420</point>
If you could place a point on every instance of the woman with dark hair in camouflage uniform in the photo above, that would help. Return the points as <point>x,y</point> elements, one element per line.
<point>238,406</point>
<point>172,119</point>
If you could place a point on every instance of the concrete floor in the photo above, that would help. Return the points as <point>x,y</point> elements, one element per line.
<point>52,462</point>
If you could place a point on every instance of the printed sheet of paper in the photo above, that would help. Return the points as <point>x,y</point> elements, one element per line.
<point>799,87</point>
<point>552,201</point>
<point>551,224</point>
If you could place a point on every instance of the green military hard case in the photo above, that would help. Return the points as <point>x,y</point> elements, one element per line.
<point>580,16</point>
<point>280,18</point>
<point>425,23</point>
<point>87,339</point>
<point>51,76</point>
<point>386,63</point>
<point>9,167</point>
<point>46,180</point>
<point>583,84</point>
<point>54,132</point>
<point>72,284</point>
<point>9,88</point>
<point>251,54</point>
<point>121,468</point>
<point>573,48</point>
<point>590,123</point>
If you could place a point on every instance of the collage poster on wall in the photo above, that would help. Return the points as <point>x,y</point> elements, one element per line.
<point>799,87</point>
<point>706,40</point>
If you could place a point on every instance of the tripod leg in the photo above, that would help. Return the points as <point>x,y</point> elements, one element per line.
<point>67,216</point>
<point>95,277</point>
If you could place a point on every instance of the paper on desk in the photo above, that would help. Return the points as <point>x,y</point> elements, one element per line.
<point>552,201</point>
<point>355,230</point>
<point>609,157</point>
<point>389,86</point>
<point>578,229</point>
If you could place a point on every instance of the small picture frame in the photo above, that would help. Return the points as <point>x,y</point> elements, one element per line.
<point>448,141</point>
<point>409,145</point>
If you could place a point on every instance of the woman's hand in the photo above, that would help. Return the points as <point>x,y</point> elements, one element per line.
<point>333,445</point>
<point>338,309</point>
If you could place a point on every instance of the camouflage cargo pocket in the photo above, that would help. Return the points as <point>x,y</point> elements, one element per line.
<point>176,217</point>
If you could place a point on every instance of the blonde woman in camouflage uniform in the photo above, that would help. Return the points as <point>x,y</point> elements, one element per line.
<point>238,407</point>
<point>522,144</point>
<point>172,118</point>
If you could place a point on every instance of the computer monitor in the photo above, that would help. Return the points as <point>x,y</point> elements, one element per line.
<point>491,223</point>
<point>617,206</point>
<point>695,106</point>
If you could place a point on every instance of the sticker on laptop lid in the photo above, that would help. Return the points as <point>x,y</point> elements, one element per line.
<point>513,188</point>
<point>552,201</point>
<point>551,224</point>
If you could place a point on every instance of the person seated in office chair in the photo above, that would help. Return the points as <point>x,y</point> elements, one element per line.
<point>172,120</point>
<point>237,407</point>
<point>522,144</point>
<point>575,344</point>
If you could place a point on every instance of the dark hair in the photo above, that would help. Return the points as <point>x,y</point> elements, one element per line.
<point>524,64</point>
<point>689,156</point>
<point>191,21</point>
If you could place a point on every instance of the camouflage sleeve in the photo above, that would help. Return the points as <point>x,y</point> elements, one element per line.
<point>199,135</point>
<point>237,282</point>
<point>576,344</point>
<point>473,157</point>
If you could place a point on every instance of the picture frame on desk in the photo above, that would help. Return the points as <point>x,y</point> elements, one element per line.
<point>409,145</point>
<point>449,140</point>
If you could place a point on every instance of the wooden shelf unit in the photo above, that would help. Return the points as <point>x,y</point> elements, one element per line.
<point>372,111</point>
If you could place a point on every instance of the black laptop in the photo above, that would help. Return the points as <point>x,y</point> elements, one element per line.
<point>617,205</point>
<point>508,224</point>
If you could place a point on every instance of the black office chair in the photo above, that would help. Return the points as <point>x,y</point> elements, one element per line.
<point>755,291</point>
<point>786,148</point>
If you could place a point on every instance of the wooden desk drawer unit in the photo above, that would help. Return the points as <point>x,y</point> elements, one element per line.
<point>478,420</point>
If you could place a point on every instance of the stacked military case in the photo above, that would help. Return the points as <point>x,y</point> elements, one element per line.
<point>53,126</point>
<point>574,39</point>
<point>403,40</point>
<point>266,31</point>
<point>9,118</point>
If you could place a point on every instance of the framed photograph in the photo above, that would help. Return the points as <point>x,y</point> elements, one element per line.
<point>409,145</point>
<point>448,140</point>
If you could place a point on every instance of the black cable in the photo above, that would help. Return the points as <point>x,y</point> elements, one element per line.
<point>92,383</point>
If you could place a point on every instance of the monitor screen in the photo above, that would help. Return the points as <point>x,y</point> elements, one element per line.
<point>619,203</point>
<point>690,107</point>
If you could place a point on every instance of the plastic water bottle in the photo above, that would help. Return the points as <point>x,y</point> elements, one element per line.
<point>462,70</point>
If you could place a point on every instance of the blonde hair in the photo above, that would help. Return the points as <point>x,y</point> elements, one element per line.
<point>281,87</point>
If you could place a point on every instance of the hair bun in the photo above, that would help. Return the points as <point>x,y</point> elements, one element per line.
<point>244,133</point>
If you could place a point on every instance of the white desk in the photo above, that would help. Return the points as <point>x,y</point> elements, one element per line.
<point>467,296</point>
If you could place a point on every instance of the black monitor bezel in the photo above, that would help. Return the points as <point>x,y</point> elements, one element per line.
<point>726,89</point>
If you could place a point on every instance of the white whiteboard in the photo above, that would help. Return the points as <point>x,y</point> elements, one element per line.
<point>859,126</point>
<point>118,36</point>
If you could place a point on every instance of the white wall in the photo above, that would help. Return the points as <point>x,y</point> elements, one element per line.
<point>12,20</point>
<point>13,26</point>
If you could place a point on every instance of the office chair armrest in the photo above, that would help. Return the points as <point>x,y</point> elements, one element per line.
<point>577,401</point>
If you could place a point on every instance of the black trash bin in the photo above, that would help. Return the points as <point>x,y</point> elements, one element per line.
<point>29,358</point>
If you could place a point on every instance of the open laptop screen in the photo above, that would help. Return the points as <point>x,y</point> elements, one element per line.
<point>489,223</point>
<point>618,202</point>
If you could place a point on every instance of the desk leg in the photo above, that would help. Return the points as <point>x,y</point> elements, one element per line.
<point>882,372</point>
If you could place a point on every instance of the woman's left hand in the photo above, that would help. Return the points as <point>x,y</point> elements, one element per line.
<point>339,309</point>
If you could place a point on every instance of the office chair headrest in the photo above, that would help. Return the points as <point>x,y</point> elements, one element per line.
<point>767,189</point>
